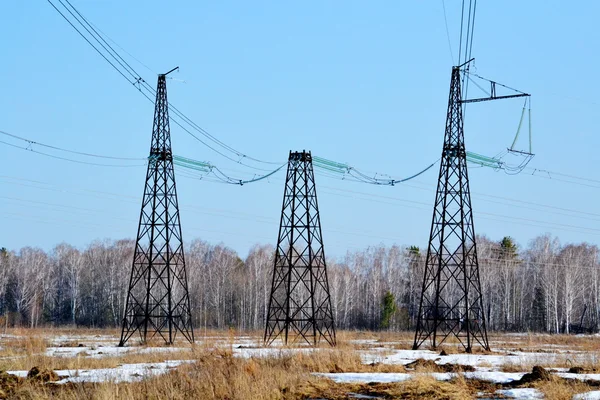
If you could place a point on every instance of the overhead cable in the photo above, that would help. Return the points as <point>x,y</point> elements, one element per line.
<point>123,68</point>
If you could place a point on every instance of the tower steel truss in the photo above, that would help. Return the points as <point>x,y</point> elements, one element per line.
<point>451,300</point>
<point>158,303</point>
<point>300,303</point>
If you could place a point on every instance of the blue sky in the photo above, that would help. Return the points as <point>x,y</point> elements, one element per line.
<point>359,82</point>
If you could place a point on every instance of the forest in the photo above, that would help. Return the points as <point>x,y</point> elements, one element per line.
<point>544,287</point>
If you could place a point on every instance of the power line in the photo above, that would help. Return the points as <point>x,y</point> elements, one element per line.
<point>142,85</point>
<point>180,161</point>
<point>508,217</point>
<point>486,197</point>
<point>468,38</point>
<point>484,215</point>
<point>37,219</point>
<point>69,189</point>
<point>222,177</point>
<point>88,41</point>
<point>448,32</point>
<point>40,219</point>
<point>56,208</point>
<point>32,142</point>
<point>71,210</point>
<point>69,159</point>
<point>487,262</point>
<point>96,30</point>
<point>585,213</point>
<point>137,80</point>
<point>68,208</point>
<point>482,196</point>
<point>462,16</point>
<point>472,28</point>
<point>102,43</point>
<point>351,194</point>
<point>344,171</point>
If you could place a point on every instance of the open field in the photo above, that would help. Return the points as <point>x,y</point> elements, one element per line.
<point>83,363</point>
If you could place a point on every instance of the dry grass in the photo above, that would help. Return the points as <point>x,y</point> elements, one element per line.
<point>23,353</point>
<point>23,345</point>
<point>516,366</point>
<point>430,366</point>
<point>588,362</point>
<point>218,375</point>
<point>214,375</point>
<point>426,387</point>
<point>23,349</point>
<point>542,342</point>
<point>392,340</point>
<point>83,362</point>
<point>210,378</point>
<point>332,360</point>
<point>421,387</point>
<point>561,389</point>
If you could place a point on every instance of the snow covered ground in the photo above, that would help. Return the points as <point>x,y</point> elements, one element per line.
<point>492,361</point>
<point>123,373</point>
<point>101,351</point>
<point>389,377</point>
<point>594,395</point>
<point>238,349</point>
<point>514,353</point>
<point>522,394</point>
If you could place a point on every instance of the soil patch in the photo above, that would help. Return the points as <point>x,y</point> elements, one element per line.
<point>582,370</point>
<point>42,375</point>
<point>422,365</point>
<point>537,374</point>
<point>8,384</point>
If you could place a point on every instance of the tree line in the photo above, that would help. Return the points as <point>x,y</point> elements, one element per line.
<point>545,287</point>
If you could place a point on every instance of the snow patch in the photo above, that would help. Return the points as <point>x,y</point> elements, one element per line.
<point>389,377</point>
<point>407,356</point>
<point>365,377</point>
<point>108,351</point>
<point>489,361</point>
<point>581,377</point>
<point>123,373</point>
<point>595,395</point>
<point>494,376</point>
<point>522,394</point>
<point>268,352</point>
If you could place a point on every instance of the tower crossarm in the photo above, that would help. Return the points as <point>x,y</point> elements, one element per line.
<point>494,97</point>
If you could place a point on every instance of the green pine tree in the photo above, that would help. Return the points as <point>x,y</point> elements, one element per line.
<point>509,247</point>
<point>388,309</point>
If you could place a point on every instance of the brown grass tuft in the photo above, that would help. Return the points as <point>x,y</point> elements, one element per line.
<point>426,387</point>
<point>26,345</point>
<point>42,375</point>
<point>557,388</point>
<point>421,365</point>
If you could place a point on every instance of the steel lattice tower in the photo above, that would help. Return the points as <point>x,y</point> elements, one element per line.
<point>300,303</point>
<point>451,301</point>
<point>158,302</point>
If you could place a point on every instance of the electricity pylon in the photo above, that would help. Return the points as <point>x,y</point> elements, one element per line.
<point>300,303</point>
<point>158,302</point>
<point>451,300</point>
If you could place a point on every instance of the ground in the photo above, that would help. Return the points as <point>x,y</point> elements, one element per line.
<point>83,363</point>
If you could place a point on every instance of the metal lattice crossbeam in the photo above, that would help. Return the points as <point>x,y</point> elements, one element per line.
<point>158,301</point>
<point>451,300</point>
<point>300,303</point>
